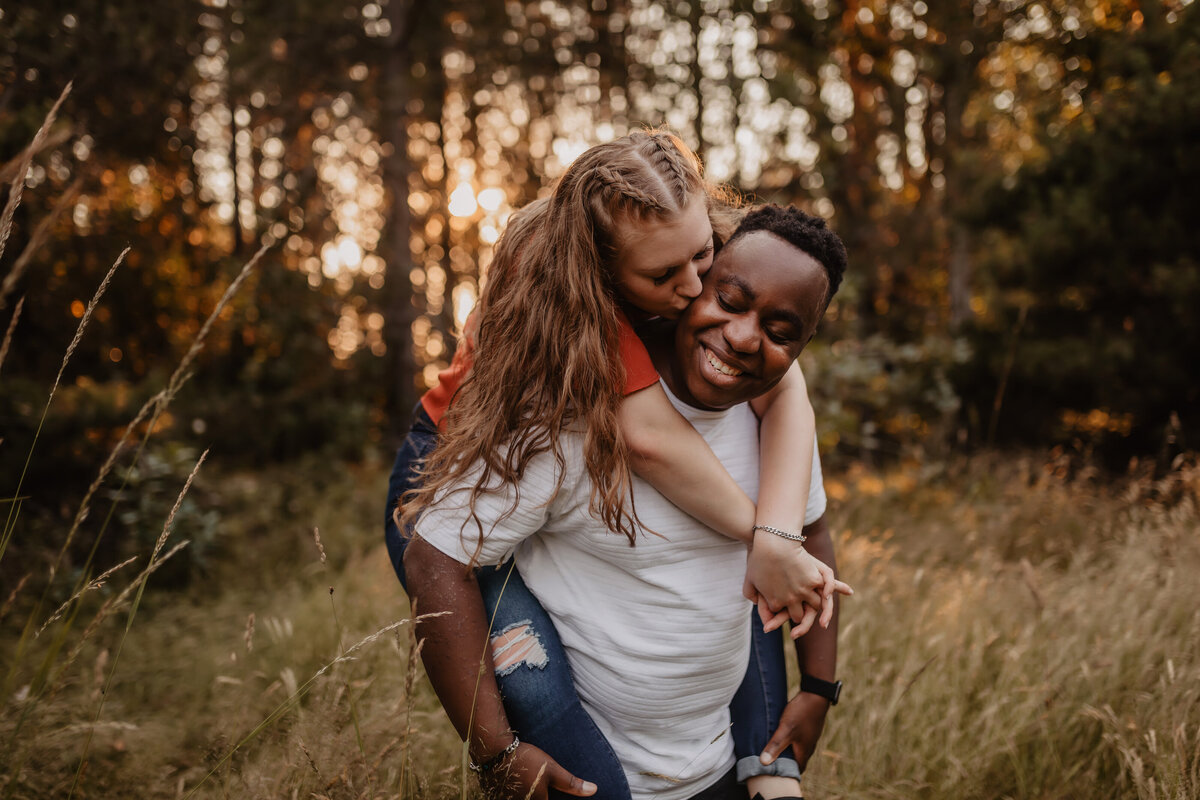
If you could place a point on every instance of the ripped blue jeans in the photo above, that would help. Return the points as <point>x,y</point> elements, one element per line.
<point>535,678</point>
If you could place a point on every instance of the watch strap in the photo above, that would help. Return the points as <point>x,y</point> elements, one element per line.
<point>830,690</point>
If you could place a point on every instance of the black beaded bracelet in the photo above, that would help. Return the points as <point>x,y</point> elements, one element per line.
<point>495,760</point>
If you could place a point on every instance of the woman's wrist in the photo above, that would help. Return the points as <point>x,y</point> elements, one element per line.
<point>793,536</point>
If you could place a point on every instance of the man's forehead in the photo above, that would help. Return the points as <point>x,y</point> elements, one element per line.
<point>738,253</point>
<point>756,270</point>
<point>735,280</point>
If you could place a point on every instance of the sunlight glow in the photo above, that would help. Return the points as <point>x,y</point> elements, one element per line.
<point>464,302</point>
<point>462,201</point>
<point>349,253</point>
<point>491,199</point>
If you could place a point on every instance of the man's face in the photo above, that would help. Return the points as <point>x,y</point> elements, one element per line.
<point>759,306</point>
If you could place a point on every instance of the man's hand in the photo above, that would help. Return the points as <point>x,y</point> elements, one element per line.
<point>800,727</point>
<point>452,629</point>
<point>530,773</point>
<point>784,575</point>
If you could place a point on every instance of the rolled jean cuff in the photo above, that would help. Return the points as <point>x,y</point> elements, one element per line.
<point>750,766</point>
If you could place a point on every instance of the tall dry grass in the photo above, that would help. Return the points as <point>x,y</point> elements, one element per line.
<point>972,671</point>
<point>79,719</point>
<point>15,173</point>
<point>1016,633</point>
<point>208,704</point>
<point>51,715</point>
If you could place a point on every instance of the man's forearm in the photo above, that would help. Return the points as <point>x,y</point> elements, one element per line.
<point>803,718</point>
<point>455,651</point>
<point>816,651</point>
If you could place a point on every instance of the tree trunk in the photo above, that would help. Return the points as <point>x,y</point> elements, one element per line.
<point>960,275</point>
<point>399,314</point>
<point>696,17</point>
<point>239,233</point>
<point>957,90</point>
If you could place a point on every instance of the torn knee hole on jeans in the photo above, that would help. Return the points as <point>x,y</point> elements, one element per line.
<point>518,644</point>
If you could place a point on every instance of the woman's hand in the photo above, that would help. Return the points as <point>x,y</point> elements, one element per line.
<point>530,773</point>
<point>787,581</point>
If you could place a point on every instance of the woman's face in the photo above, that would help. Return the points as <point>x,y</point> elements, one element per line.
<point>659,262</point>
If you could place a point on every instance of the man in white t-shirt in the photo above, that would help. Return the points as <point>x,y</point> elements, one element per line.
<point>655,634</point>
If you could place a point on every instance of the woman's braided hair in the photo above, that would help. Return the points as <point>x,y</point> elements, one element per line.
<point>547,356</point>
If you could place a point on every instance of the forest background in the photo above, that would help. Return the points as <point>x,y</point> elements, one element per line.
<point>1016,183</point>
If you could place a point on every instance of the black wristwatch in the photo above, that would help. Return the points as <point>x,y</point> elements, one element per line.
<point>830,691</point>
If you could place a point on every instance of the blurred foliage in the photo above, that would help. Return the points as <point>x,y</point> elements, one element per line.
<point>1094,274</point>
<point>73,443</point>
<point>879,399</point>
<point>1013,182</point>
<point>151,487</point>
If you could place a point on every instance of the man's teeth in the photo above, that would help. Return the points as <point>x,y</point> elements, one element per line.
<point>719,365</point>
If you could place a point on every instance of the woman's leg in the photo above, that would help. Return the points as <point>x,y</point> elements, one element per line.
<point>758,705</point>
<point>420,441</point>
<point>535,679</point>
<point>535,683</point>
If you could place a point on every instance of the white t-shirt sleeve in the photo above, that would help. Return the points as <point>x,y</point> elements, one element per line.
<point>504,517</point>
<point>816,491</point>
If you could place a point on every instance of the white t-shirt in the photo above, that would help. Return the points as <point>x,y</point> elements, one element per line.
<point>657,635</point>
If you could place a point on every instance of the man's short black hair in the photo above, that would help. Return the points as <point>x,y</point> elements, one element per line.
<point>804,231</point>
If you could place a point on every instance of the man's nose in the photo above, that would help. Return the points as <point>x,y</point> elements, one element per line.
<point>741,333</point>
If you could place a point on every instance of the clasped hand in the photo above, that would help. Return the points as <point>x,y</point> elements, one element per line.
<point>788,582</point>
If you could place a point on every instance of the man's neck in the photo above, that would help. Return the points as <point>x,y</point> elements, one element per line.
<point>659,337</point>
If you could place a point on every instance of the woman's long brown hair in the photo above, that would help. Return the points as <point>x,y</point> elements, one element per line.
<point>546,354</point>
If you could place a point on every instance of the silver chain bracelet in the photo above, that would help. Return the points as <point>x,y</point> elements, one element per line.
<point>795,537</point>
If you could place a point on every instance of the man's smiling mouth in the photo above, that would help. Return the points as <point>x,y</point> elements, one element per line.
<point>719,365</point>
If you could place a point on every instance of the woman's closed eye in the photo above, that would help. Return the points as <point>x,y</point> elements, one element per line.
<point>659,280</point>
<point>666,275</point>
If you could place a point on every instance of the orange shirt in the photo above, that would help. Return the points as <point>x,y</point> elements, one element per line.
<point>639,370</point>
